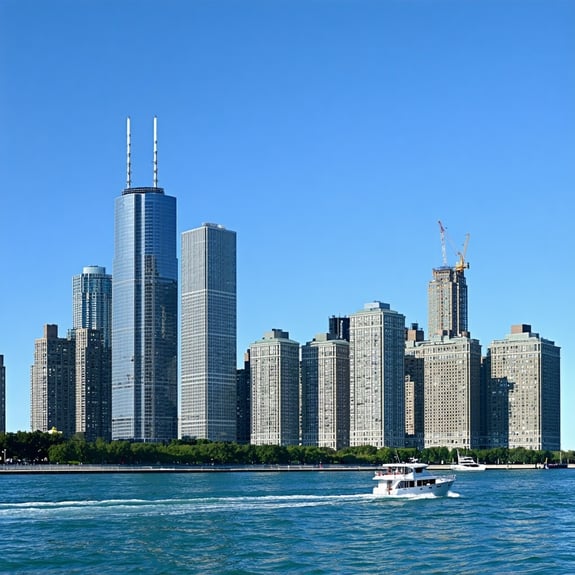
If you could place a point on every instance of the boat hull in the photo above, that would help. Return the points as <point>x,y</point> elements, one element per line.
<point>438,489</point>
<point>477,467</point>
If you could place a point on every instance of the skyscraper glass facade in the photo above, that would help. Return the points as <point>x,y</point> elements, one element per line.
<point>144,317</point>
<point>208,334</point>
<point>92,301</point>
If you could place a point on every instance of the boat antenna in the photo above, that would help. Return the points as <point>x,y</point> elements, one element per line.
<point>155,152</point>
<point>128,155</point>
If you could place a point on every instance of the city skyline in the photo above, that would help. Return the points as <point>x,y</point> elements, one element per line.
<point>330,137</point>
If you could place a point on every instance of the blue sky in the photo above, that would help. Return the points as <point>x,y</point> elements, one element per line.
<point>331,135</point>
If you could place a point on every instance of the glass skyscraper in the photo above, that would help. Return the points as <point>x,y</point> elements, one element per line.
<point>144,316</point>
<point>92,311</point>
<point>208,334</point>
<point>92,301</point>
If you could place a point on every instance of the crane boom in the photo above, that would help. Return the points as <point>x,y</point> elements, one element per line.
<point>462,264</point>
<point>442,234</point>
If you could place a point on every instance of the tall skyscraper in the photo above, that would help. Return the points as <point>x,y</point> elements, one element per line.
<point>377,389</point>
<point>92,301</point>
<point>144,313</point>
<point>208,334</point>
<point>325,392</point>
<point>93,384</point>
<point>447,295</point>
<point>274,369</point>
<point>447,299</point>
<point>92,317</point>
<point>2,395</point>
<point>53,383</point>
<point>524,391</point>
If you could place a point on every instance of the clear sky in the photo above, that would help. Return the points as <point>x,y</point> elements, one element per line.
<point>331,135</point>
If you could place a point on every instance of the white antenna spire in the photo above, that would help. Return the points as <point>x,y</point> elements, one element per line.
<point>128,155</point>
<point>155,152</point>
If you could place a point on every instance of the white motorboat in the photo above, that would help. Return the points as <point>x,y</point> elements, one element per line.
<point>410,480</point>
<point>467,463</point>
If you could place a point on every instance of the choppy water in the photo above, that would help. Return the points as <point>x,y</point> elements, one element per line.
<point>292,522</point>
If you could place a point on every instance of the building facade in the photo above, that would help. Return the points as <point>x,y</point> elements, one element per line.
<point>92,332</point>
<point>208,334</point>
<point>325,392</point>
<point>377,387</point>
<point>451,391</point>
<point>274,373</point>
<point>339,327</point>
<point>2,395</point>
<point>92,301</point>
<point>93,389</point>
<point>524,391</point>
<point>447,302</point>
<point>244,402</point>
<point>414,388</point>
<point>144,314</point>
<point>53,383</point>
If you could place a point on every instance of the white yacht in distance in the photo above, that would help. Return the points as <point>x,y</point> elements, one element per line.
<point>410,480</point>
<point>467,463</point>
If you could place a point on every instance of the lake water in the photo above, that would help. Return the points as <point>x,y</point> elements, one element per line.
<point>494,522</point>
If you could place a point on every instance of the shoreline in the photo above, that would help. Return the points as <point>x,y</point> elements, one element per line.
<point>47,469</point>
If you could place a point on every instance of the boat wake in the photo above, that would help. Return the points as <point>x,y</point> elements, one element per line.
<point>35,509</point>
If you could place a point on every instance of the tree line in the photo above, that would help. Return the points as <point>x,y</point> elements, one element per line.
<point>36,447</point>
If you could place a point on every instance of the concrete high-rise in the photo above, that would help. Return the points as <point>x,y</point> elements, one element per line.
<point>325,392</point>
<point>447,300</point>
<point>451,389</point>
<point>144,313</point>
<point>208,334</point>
<point>414,388</point>
<point>53,383</point>
<point>524,391</point>
<point>92,331</point>
<point>377,388</point>
<point>93,384</point>
<point>2,395</point>
<point>274,371</point>
<point>92,301</point>
<point>244,402</point>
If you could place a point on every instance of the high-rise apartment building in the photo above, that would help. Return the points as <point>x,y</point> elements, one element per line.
<point>92,301</point>
<point>274,369</point>
<point>325,392</point>
<point>447,301</point>
<point>451,389</point>
<point>53,383</point>
<point>2,395</point>
<point>244,402</point>
<point>524,391</point>
<point>144,313</point>
<point>93,384</point>
<point>377,388</point>
<point>208,334</point>
<point>92,332</point>
<point>414,388</point>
